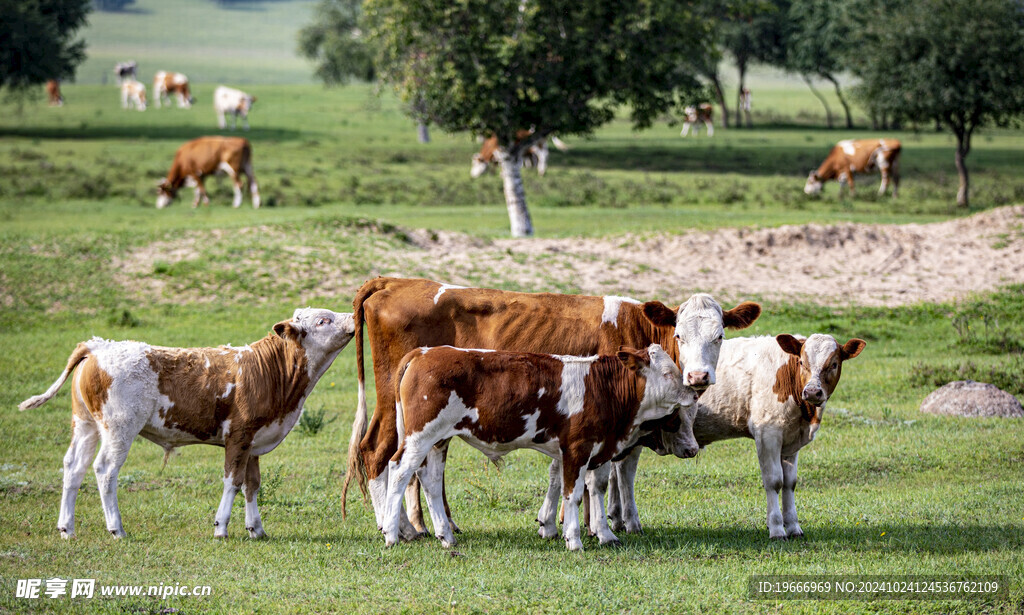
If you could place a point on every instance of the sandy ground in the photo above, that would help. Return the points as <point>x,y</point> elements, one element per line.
<point>839,264</point>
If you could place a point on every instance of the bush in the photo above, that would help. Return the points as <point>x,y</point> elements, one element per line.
<point>1006,374</point>
<point>312,421</point>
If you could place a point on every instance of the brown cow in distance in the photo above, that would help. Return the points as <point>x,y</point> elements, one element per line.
<point>205,156</point>
<point>404,314</point>
<point>861,156</point>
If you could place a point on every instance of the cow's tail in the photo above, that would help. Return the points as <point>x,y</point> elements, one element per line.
<point>80,353</point>
<point>559,144</point>
<point>356,464</point>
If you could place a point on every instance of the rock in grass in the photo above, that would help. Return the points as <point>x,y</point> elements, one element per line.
<point>970,398</point>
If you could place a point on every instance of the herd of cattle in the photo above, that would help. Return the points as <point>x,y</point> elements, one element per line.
<point>589,381</point>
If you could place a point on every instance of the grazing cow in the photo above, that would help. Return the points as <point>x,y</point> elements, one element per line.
<point>773,390</point>
<point>244,399</point>
<point>235,102</point>
<point>701,113</point>
<point>535,156</point>
<point>861,156</point>
<point>579,410</point>
<point>133,94</point>
<point>53,93</point>
<point>125,70</point>
<point>405,314</point>
<point>207,156</point>
<point>165,84</point>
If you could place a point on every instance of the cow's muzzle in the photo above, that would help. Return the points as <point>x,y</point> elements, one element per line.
<point>698,380</point>
<point>814,395</point>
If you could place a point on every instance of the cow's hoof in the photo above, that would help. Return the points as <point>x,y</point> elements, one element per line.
<point>256,533</point>
<point>636,529</point>
<point>447,544</point>
<point>796,534</point>
<point>573,544</point>
<point>455,528</point>
<point>614,543</point>
<point>780,538</point>
<point>65,534</point>
<point>547,533</point>
<point>117,533</point>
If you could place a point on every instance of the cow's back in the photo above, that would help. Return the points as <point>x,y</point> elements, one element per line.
<point>747,368</point>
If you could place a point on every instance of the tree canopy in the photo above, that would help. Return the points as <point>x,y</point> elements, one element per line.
<point>956,62</point>
<point>495,67</point>
<point>335,42</point>
<point>37,41</point>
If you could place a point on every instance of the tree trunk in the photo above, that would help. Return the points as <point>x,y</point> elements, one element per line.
<point>963,147</point>
<point>824,103</point>
<point>423,132</point>
<point>741,65</point>
<point>842,101</point>
<point>720,93</point>
<point>515,194</point>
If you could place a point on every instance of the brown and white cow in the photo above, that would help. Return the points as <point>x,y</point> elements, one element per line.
<point>208,156</point>
<point>771,389</point>
<point>535,156</point>
<point>165,84</point>
<point>858,156</point>
<point>125,70</point>
<point>133,94</point>
<point>700,113</point>
<point>245,399</point>
<point>53,93</point>
<point>578,410</point>
<point>404,314</point>
<point>235,102</point>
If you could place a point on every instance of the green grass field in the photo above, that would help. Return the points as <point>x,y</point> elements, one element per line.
<point>883,489</point>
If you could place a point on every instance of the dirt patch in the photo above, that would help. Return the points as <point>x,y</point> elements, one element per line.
<point>829,264</point>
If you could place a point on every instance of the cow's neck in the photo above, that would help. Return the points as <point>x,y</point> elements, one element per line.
<point>825,171</point>
<point>280,369</point>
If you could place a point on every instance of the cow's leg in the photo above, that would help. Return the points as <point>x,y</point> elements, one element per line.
<point>401,468</point>
<point>236,458</point>
<point>413,505</point>
<point>376,448</point>
<point>573,479</point>
<point>254,190</point>
<point>221,122</point>
<point>546,515</point>
<point>849,181</point>
<point>597,482</point>
<point>769,456</point>
<point>711,128</point>
<point>614,501</point>
<point>245,121</point>
<point>686,129</point>
<point>626,470</point>
<point>84,436</point>
<point>236,184</point>
<point>113,451</point>
<point>432,477</point>
<point>789,497</point>
<point>844,181</point>
<point>253,523</point>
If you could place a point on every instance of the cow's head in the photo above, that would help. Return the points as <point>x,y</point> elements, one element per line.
<point>700,325</point>
<point>165,193</point>
<point>321,333</point>
<point>820,365</point>
<point>813,185</point>
<point>665,388</point>
<point>479,167</point>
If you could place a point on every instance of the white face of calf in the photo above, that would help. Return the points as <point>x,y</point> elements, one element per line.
<point>821,363</point>
<point>321,333</point>
<point>813,185</point>
<point>666,390</point>
<point>479,167</point>
<point>699,331</point>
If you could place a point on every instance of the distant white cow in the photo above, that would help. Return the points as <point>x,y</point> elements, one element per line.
<point>133,94</point>
<point>701,113</point>
<point>235,102</point>
<point>165,84</point>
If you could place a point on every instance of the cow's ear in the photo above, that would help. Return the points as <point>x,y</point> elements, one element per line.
<point>741,316</point>
<point>660,314</point>
<point>632,358</point>
<point>790,344</point>
<point>853,348</point>
<point>287,330</point>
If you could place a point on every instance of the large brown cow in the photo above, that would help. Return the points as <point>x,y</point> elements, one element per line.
<point>244,399</point>
<point>206,156</point>
<point>861,156</point>
<point>580,411</point>
<point>404,314</point>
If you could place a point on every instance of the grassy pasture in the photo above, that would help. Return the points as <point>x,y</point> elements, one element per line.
<point>883,490</point>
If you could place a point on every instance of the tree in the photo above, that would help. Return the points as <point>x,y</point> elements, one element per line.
<point>822,37</point>
<point>755,31</point>
<point>956,61</point>
<point>335,42</point>
<point>496,67</point>
<point>37,41</point>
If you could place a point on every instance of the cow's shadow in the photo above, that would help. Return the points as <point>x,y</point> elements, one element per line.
<point>156,133</point>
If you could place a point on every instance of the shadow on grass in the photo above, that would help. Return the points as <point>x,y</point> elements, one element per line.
<point>158,133</point>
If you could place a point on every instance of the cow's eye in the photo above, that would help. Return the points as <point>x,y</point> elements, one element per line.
<point>679,337</point>
<point>323,321</point>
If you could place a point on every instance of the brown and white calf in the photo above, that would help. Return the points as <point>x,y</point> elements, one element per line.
<point>773,390</point>
<point>402,315</point>
<point>235,102</point>
<point>858,156</point>
<point>53,93</point>
<point>535,156</point>
<point>125,70</point>
<point>700,113</point>
<point>133,94</point>
<point>165,84</point>
<point>244,399</point>
<point>578,410</point>
<point>209,156</point>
